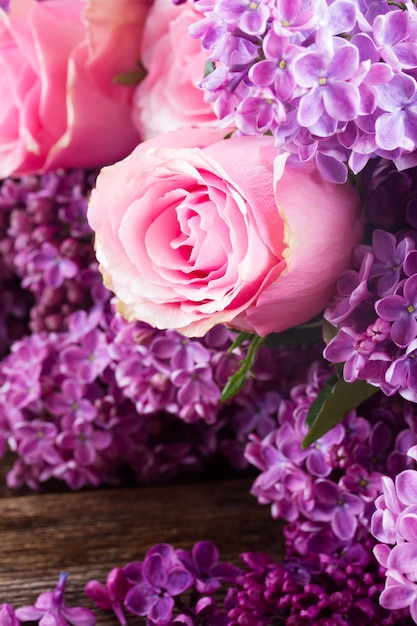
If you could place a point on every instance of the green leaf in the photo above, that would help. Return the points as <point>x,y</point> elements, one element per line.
<point>242,336</point>
<point>318,402</point>
<point>236,382</point>
<point>234,385</point>
<point>131,78</point>
<point>209,67</point>
<point>342,397</point>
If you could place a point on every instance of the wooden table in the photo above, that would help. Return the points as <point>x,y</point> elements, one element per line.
<point>89,532</point>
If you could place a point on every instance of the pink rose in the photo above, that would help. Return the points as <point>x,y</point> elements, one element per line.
<point>193,230</point>
<point>58,105</point>
<point>169,97</point>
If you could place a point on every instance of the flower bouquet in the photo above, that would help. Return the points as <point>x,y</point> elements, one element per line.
<point>208,244</point>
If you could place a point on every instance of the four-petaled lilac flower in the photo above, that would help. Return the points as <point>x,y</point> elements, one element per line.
<point>400,592</point>
<point>50,609</point>
<point>84,440</point>
<point>292,17</point>
<point>37,440</point>
<point>338,506</point>
<point>55,267</point>
<point>164,578</point>
<point>402,311</point>
<point>397,127</point>
<point>389,259</point>
<point>70,402</point>
<point>331,97</point>
<point>391,32</point>
<point>270,72</point>
<point>318,460</point>
<point>250,15</point>
<point>352,349</point>
<point>203,565</point>
<point>87,360</point>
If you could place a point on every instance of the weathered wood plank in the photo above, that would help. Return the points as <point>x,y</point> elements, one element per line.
<point>89,532</point>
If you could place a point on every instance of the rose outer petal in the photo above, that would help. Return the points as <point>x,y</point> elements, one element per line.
<point>323,222</point>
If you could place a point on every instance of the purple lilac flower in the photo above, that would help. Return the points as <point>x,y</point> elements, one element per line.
<point>84,441</point>
<point>51,265</point>
<point>110,596</point>
<point>402,311</point>
<point>50,609</point>
<point>389,259</point>
<point>339,507</point>
<point>70,403</point>
<point>330,98</point>
<point>203,564</point>
<point>163,578</point>
<point>402,373</point>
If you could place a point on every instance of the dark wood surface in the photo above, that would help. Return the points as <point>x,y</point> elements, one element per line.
<point>87,533</point>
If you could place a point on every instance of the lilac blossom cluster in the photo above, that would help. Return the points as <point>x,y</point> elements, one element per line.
<point>326,493</point>
<point>375,307</point>
<point>332,483</point>
<point>333,82</point>
<point>177,587</point>
<point>77,405</point>
<point>154,588</point>
<point>48,266</point>
<point>394,522</point>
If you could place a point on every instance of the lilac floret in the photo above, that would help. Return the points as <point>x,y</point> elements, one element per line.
<point>164,578</point>
<point>402,311</point>
<point>50,609</point>
<point>203,565</point>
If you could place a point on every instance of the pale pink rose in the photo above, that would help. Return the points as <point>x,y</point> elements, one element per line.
<point>56,110</point>
<point>169,97</point>
<point>193,230</point>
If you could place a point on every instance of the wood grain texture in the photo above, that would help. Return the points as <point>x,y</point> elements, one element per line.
<point>87,533</point>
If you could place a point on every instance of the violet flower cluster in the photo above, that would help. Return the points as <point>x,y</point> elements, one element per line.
<point>177,587</point>
<point>394,522</point>
<point>375,307</point>
<point>47,263</point>
<point>82,404</point>
<point>326,494</point>
<point>154,588</point>
<point>332,81</point>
